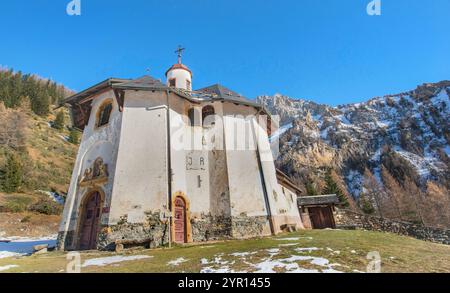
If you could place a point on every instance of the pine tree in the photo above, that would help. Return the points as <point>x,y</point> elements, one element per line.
<point>331,187</point>
<point>13,174</point>
<point>40,102</point>
<point>366,205</point>
<point>74,136</point>
<point>59,121</point>
<point>343,188</point>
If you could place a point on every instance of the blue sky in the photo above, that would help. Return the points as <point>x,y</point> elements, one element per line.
<point>329,51</point>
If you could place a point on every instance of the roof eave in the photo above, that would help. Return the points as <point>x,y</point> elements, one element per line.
<point>91,91</point>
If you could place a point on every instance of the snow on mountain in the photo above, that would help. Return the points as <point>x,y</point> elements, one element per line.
<point>414,126</point>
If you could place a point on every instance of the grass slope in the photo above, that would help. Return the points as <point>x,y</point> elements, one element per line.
<point>348,249</point>
<point>47,160</point>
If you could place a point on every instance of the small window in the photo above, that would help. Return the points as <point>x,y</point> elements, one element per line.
<point>188,85</point>
<point>104,113</point>
<point>208,111</point>
<point>173,82</point>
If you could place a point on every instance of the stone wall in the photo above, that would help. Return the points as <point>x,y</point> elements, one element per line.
<point>347,219</point>
<point>152,233</point>
<point>208,228</point>
<point>247,227</point>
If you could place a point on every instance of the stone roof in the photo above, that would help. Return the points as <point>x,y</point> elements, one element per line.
<point>218,91</point>
<point>144,82</point>
<point>317,200</point>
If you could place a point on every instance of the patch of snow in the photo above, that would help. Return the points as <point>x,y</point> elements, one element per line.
<point>221,270</point>
<point>8,267</point>
<point>320,261</point>
<point>308,249</point>
<point>422,164</point>
<point>104,261</point>
<point>290,265</point>
<point>242,254</point>
<point>54,196</point>
<point>331,271</point>
<point>287,244</point>
<point>177,261</point>
<point>288,239</point>
<point>353,251</point>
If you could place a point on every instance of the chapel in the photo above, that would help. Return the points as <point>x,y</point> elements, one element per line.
<point>160,162</point>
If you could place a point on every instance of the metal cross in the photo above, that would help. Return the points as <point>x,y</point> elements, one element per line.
<point>179,52</point>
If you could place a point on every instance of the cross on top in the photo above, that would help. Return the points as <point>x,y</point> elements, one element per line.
<point>179,52</point>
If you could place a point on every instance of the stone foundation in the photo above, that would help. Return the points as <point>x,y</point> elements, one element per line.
<point>152,233</point>
<point>347,219</point>
<point>247,227</point>
<point>65,240</point>
<point>208,228</point>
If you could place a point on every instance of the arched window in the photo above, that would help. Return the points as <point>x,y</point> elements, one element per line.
<point>208,111</point>
<point>104,113</point>
<point>194,117</point>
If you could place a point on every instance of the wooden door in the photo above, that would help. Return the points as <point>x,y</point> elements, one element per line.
<point>180,220</point>
<point>90,222</point>
<point>321,217</point>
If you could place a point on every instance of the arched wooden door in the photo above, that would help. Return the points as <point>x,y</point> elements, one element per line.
<point>180,220</point>
<point>90,222</point>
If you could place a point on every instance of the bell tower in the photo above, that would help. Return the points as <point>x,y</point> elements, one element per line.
<point>179,75</point>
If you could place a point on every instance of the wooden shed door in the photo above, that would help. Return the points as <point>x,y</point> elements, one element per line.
<point>321,217</point>
<point>90,221</point>
<point>180,220</point>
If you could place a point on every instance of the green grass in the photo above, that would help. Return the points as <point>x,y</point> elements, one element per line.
<point>398,254</point>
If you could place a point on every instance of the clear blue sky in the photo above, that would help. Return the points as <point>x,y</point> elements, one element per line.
<point>329,51</point>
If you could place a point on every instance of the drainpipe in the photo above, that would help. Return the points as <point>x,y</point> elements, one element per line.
<point>169,169</point>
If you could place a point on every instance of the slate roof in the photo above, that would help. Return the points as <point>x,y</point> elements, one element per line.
<point>93,90</point>
<point>215,92</point>
<point>218,91</point>
<point>317,200</point>
<point>144,82</point>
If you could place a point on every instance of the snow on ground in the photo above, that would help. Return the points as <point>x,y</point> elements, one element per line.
<point>243,254</point>
<point>20,246</point>
<point>422,164</point>
<point>103,261</point>
<point>8,267</point>
<point>288,239</point>
<point>177,261</point>
<point>287,244</point>
<point>53,196</point>
<point>308,249</point>
<point>269,264</point>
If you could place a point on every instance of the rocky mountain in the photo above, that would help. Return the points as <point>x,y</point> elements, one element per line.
<point>408,134</point>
